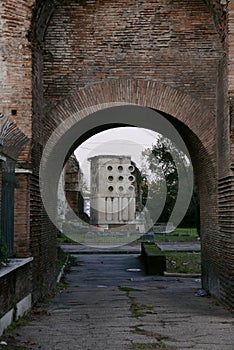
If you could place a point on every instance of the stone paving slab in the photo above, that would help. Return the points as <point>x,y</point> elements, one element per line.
<point>180,246</point>
<point>108,307</point>
<point>133,248</point>
<point>102,249</point>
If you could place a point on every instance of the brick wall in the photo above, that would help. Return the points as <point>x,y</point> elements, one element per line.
<point>180,44</point>
<point>16,62</point>
<point>14,287</point>
<point>145,93</point>
<point>219,9</point>
<point>230,48</point>
<point>43,243</point>
<point>22,216</point>
<point>33,232</point>
<point>165,55</point>
<point>172,42</point>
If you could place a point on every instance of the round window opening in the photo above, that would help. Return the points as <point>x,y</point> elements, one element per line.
<point>131,178</point>
<point>120,178</point>
<point>131,168</point>
<point>121,188</point>
<point>131,188</point>
<point>120,168</point>
<point>110,178</point>
<point>110,188</point>
<point>109,167</point>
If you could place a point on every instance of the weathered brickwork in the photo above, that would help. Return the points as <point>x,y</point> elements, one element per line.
<point>178,105</point>
<point>22,222</point>
<point>174,42</point>
<point>219,11</point>
<point>43,243</point>
<point>226,235</point>
<point>14,287</point>
<point>34,235</point>
<point>59,57</point>
<point>179,44</point>
<point>73,178</point>
<point>15,60</point>
<point>230,48</point>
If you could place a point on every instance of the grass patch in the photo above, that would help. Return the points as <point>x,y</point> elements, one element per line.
<point>152,249</point>
<point>158,336</point>
<point>80,236</point>
<point>21,322</point>
<point>178,235</point>
<point>129,289</point>
<point>183,262</point>
<point>137,309</point>
<point>140,310</point>
<point>61,258</point>
<point>64,239</point>
<point>138,330</point>
<point>96,239</point>
<point>60,286</point>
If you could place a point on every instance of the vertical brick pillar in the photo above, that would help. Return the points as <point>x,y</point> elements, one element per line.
<point>225,148</point>
<point>1,160</point>
<point>22,207</point>
<point>230,47</point>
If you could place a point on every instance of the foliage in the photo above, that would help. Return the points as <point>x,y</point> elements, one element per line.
<point>164,162</point>
<point>64,239</point>
<point>142,187</point>
<point>21,322</point>
<point>153,249</point>
<point>3,252</point>
<point>61,258</point>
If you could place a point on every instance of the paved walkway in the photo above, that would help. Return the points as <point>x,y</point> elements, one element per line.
<point>111,305</point>
<point>85,249</point>
<point>180,246</point>
<point>131,248</point>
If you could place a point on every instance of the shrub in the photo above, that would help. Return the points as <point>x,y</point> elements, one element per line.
<point>3,252</point>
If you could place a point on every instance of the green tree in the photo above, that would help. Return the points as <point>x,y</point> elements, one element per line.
<point>163,161</point>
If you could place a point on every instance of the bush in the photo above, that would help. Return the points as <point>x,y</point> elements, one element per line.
<point>3,252</point>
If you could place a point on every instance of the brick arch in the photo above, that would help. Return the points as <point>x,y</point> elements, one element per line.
<point>190,117</point>
<point>153,94</point>
<point>193,120</point>
<point>12,139</point>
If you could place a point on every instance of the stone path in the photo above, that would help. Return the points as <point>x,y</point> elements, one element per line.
<point>131,248</point>
<point>84,249</point>
<point>110,304</point>
<point>180,246</point>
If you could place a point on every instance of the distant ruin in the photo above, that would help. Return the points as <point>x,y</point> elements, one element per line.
<point>115,195</point>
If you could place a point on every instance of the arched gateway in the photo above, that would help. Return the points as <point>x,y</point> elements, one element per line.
<point>69,61</point>
<point>90,109</point>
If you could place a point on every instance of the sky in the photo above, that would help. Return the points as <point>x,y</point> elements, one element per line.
<point>130,141</point>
